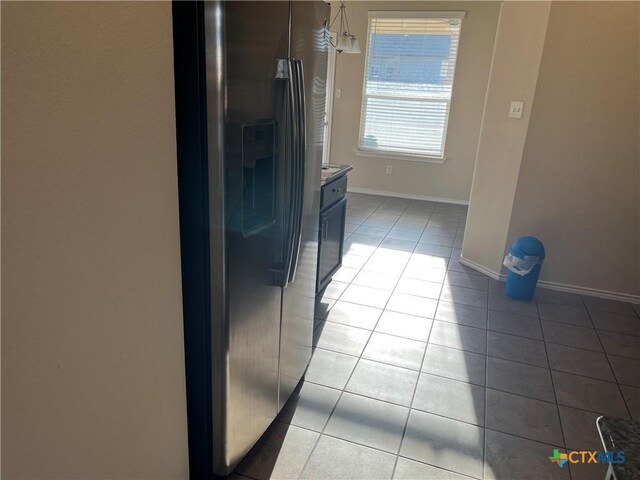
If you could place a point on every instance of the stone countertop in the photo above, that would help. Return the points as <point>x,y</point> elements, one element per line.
<point>330,172</point>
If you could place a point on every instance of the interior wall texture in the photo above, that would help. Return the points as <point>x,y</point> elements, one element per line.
<point>514,72</point>
<point>451,180</point>
<point>578,188</point>
<point>92,346</point>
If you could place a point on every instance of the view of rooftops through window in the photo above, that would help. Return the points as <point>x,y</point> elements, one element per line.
<point>408,84</point>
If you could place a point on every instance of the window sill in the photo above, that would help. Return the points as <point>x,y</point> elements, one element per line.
<point>399,156</point>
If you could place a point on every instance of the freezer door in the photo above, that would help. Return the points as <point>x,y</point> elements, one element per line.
<point>309,45</point>
<point>256,37</point>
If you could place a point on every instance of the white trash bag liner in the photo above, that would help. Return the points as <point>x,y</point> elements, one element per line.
<point>520,266</point>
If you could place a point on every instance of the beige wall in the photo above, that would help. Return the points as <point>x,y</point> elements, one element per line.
<point>578,184</point>
<point>451,180</point>
<point>514,71</point>
<point>92,352</point>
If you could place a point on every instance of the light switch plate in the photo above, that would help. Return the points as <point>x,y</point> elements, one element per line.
<point>338,93</point>
<point>516,109</point>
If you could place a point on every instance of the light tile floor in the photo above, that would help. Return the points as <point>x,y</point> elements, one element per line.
<point>424,369</point>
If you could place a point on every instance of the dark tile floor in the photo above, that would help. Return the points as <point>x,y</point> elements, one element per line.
<point>424,369</point>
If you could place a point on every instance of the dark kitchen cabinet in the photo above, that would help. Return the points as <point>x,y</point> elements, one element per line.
<point>330,242</point>
<point>333,212</point>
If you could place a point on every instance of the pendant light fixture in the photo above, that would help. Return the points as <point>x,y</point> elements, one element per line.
<point>346,43</point>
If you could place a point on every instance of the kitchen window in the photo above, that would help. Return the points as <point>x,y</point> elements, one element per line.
<point>409,74</point>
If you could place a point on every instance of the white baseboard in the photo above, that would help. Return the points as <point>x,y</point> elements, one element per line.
<point>481,269</point>
<point>561,287</point>
<point>594,292</point>
<point>407,196</point>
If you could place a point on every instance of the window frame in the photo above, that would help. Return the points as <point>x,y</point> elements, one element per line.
<point>392,154</point>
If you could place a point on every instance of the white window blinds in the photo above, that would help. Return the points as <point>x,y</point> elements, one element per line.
<point>411,60</point>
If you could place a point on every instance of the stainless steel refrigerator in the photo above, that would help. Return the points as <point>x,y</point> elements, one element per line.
<point>250,104</point>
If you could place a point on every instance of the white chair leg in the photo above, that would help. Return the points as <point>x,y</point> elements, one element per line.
<point>609,475</point>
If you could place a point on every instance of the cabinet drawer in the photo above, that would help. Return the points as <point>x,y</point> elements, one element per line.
<point>333,192</point>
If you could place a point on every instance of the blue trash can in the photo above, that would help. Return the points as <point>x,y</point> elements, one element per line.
<point>524,262</point>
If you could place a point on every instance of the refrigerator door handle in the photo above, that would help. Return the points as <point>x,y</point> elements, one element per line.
<point>292,146</point>
<point>301,162</point>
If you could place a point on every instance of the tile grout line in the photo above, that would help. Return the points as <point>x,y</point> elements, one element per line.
<point>486,355</point>
<point>548,363</point>
<point>490,310</point>
<point>434,320</point>
<point>421,461</point>
<point>340,395</point>
<point>415,388</point>
<point>453,380</point>
<point>348,379</point>
<point>486,388</point>
<point>471,352</point>
<point>404,456</point>
<point>553,385</point>
<point>425,348</point>
<point>624,400</point>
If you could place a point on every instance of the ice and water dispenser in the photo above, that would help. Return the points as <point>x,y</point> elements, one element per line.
<point>251,176</point>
